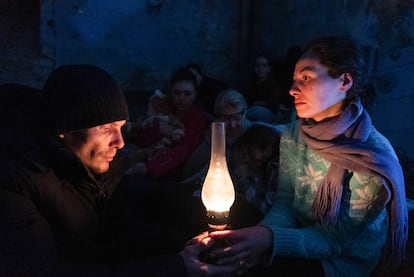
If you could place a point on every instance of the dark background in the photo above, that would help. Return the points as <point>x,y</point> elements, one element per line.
<point>140,42</point>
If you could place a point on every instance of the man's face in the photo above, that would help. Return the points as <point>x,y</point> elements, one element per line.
<point>99,146</point>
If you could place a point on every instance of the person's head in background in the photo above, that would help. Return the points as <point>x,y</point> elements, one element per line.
<point>182,90</point>
<point>259,144</point>
<point>85,109</point>
<point>230,107</point>
<point>196,70</point>
<point>262,67</point>
<point>329,74</point>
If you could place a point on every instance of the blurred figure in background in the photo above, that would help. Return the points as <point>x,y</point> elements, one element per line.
<point>254,165</point>
<point>208,88</point>
<point>230,107</point>
<point>160,111</point>
<point>167,164</point>
<point>268,100</point>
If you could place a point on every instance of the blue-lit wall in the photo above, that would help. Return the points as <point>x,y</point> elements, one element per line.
<point>141,42</point>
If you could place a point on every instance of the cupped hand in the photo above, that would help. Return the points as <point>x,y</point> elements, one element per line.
<point>247,246</point>
<point>197,267</point>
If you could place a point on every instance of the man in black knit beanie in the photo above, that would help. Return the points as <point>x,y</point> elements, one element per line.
<point>57,184</point>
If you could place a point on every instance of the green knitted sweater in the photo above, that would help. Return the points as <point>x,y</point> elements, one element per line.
<point>350,247</point>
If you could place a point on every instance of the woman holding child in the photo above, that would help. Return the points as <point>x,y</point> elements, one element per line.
<point>167,164</point>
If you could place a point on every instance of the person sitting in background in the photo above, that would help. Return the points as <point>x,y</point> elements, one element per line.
<point>183,206</point>
<point>168,163</point>
<point>254,165</point>
<point>340,204</point>
<point>181,200</point>
<point>58,181</point>
<point>160,111</point>
<point>282,69</point>
<point>229,107</point>
<point>267,100</point>
<point>208,88</point>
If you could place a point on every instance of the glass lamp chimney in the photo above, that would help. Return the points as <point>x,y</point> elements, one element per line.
<point>217,193</point>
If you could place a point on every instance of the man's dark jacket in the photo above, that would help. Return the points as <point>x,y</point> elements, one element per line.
<point>53,214</point>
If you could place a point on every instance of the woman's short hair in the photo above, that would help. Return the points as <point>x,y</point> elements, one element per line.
<point>341,55</point>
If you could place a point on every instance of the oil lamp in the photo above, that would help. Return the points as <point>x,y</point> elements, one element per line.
<point>217,193</point>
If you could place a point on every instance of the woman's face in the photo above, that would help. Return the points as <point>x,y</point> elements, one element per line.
<point>262,68</point>
<point>316,94</point>
<point>183,94</point>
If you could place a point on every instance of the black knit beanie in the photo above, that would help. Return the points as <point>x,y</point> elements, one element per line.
<point>81,96</point>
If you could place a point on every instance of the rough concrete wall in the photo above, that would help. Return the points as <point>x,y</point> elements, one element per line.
<point>22,58</point>
<point>142,42</point>
<point>385,28</point>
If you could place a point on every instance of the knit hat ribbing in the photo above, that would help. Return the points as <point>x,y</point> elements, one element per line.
<point>82,96</point>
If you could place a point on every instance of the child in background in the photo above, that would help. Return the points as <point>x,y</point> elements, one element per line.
<point>160,112</point>
<point>254,163</point>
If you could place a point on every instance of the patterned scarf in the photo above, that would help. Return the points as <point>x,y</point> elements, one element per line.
<point>342,140</point>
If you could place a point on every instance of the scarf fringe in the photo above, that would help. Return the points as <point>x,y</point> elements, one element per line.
<point>341,141</point>
<point>395,247</point>
<point>328,199</point>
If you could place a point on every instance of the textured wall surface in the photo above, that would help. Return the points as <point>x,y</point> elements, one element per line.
<point>141,42</point>
<point>21,58</point>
